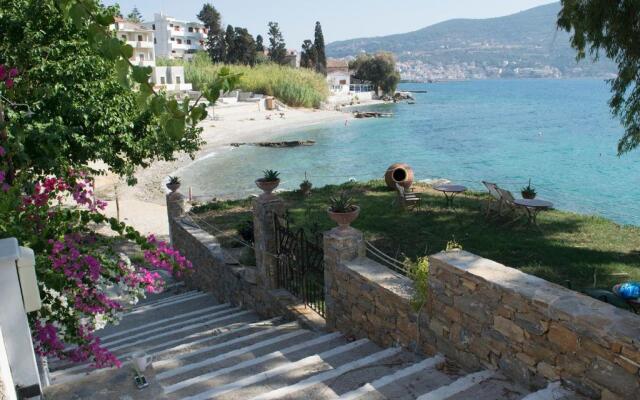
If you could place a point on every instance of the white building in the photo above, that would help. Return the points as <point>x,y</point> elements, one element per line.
<point>140,38</point>
<point>338,76</point>
<point>169,78</point>
<point>175,38</point>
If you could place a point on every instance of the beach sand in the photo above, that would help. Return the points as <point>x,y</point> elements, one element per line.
<point>143,205</point>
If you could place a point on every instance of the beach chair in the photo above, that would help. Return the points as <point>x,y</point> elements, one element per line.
<point>494,205</point>
<point>508,207</point>
<point>407,200</point>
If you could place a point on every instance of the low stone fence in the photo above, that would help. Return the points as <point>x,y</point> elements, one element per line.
<point>479,313</point>
<point>486,315</point>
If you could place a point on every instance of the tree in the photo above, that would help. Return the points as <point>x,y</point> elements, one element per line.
<point>308,57</point>
<point>277,47</point>
<point>216,46</point>
<point>230,45</point>
<point>318,44</point>
<point>70,97</point>
<point>245,47</point>
<point>259,44</point>
<point>379,69</point>
<point>614,28</point>
<point>134,15</point>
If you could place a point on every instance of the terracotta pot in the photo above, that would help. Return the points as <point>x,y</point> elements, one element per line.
<point>305,189</point>
<point>399,173</point>
<point>344,219</point>
<point>173,186</point>
<point>267,186</point>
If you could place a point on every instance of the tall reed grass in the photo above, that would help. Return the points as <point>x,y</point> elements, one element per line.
<point>296,87</point>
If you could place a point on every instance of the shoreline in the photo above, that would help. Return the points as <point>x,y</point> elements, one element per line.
<point>143,205</point>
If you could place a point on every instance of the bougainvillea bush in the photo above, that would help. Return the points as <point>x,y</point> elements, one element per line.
<point>84,283</point>
<point>70,96</point>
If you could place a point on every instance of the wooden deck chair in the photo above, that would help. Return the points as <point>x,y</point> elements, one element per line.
<point>407,200</point>
<point>495,202</point>
<point>509,206</point>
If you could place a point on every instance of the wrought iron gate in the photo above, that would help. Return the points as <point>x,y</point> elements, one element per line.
<point>300,264</point>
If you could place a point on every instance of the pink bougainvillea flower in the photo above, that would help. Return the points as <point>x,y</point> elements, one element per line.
<point>2,176</point>
<point>13,72</point>
<point>8,83</point>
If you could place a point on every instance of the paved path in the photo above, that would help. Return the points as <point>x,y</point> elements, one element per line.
<point>205,350</point>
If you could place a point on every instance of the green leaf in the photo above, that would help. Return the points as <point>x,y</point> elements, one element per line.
<point>127,51</point>
<point>157,105</point>
<point>141,74</point>
<point>78,15</point>
<point>105,19</point>
<point>175,128</point>
<point>122,71</point>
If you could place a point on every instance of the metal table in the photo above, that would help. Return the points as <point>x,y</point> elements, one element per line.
<point>533,207</point>
<point>450,192</point>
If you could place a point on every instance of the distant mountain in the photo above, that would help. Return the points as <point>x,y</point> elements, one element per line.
<point>526,44</point>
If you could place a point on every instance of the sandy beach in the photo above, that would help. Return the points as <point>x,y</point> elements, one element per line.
<point>143,205</point>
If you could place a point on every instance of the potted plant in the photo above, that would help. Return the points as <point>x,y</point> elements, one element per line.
<point>173,184</point>
<point>342,210</point>
<point>305,186</point>
<point>269,181</point>
<point>528,192</point>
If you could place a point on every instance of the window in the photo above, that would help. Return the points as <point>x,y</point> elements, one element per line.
<point>162,80</point>
<point>178,80</point>
<point>177,28</point>
<point>171,25</point>
<point>155,41</point>
<point>172,39</point>
<point>190,29</point>
<point>343,81</point>
<point>188,41</point>
<point>124,37</point>
<point>139,38</point>
<point>179,41</point>
<point>173,51</point>
<point>153,26</point>
<point>141,56</point>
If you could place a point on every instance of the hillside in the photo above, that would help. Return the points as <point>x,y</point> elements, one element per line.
<point>526,44</point>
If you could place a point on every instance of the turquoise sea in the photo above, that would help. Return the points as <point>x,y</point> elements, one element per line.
<point>558,133</point>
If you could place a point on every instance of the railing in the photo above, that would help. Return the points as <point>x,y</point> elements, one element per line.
<point>379,256</point>
<point>300,267</point>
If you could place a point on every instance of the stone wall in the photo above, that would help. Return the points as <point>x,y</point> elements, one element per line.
<point>485,315</point>
<point>242,286</point>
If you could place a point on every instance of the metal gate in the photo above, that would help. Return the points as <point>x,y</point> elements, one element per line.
<point>300,267</point>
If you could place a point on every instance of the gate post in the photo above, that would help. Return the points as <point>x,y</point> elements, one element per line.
<point>264,234</point>
<point>340,245</point>
<point>175,209</point>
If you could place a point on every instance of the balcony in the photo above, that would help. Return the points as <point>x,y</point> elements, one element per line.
<point>140,45</point>
<point>144,63</point>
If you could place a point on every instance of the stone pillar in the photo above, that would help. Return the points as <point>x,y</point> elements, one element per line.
<point>340,245</point>
<point>265,207</point>
<point>175,209</point>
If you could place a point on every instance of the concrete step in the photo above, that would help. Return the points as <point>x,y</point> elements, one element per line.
<point>255,365</point>
<point>346,356</point>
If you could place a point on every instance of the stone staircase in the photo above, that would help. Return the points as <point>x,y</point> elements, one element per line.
<point>205,350</point>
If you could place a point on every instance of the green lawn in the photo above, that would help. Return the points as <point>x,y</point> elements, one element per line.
<point>568,246</point>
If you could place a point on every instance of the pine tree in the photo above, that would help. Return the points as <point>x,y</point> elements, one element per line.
<point>244,46</point>
<point>277,47</point>
<point>318,44</point>
<point>134,15</point>
<point>259,43</point>
<point>230,44</point>
<point>216,47</point>
<point>308,57</point>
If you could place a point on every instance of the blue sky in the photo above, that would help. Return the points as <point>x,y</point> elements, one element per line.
<point>341,19</point>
